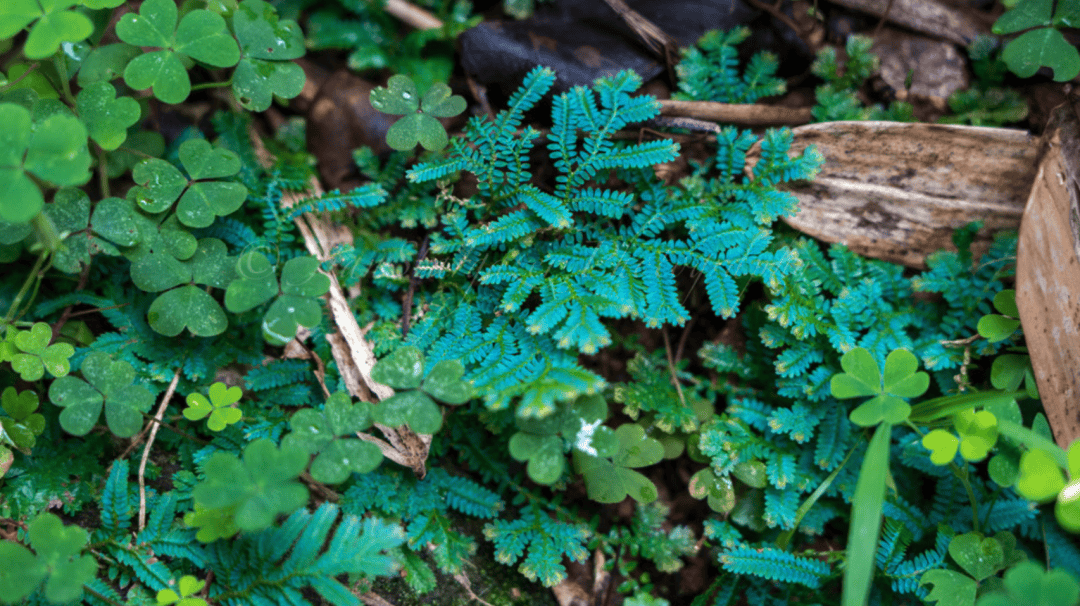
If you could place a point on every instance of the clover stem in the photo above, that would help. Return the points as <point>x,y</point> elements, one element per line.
<point>206,85</point>
<point>785,537</point>
<point>29,70</point>
<point>100,596</point>
<point>962,474</point>
<point>17,301</point>
<point>103,174</point>
<point>65,84</point>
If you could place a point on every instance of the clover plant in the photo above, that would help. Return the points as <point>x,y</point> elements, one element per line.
<point>413,405</point>
<point>400,96</point>
<point>1043,44</point>
<point>219,408</point>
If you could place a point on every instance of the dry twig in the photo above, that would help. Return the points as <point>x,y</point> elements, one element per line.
<point>150,442</point>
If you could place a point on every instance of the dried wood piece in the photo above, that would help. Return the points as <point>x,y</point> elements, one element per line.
<point>1048,276</point>
<point>897,191</point>
<point>750,114</point>
<point>412,15</point>
<point>925,16</point>
<point>937,69</point>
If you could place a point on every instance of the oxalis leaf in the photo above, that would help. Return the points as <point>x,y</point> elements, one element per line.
<point>52,22</point>
<point>107,117</point>
<point>23,423</point>
<point>51,148</point>
<point>219,407</point>
<point>251,492</point>
<point>31,355</point>
<point>863,378</point>
<point>200,201</point>
<point>57,562</point>
<point>202,35</point>
<point>611,480</point>
<point>324,433</point>
<point>111,225</point>
<point>400,96</point>
<point>267,46</point>
<point>108,383</point>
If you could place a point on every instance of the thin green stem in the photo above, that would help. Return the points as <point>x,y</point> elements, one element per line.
<point>962,474</point>
<point>785,537</point>
<point>206,85</point>
<point>29,70</point>
<point>103,173</point>
<point>39,277</point>
<point>17,301</point>
<point>65,84</point>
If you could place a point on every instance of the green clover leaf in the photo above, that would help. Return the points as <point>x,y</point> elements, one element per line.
<point>112,224</point>
<point>157,259</point>
<point>1040,478</point>
<point>979,557</point>
<point>301,282</point>
<point>187,307</point>
<point>57,561</point>
<point>719,492</point>
<point>412,408</point>
<point>256,283</point>
<point>1008,371</point>
<point>23,423</point>
<point>951,588</point>
<point>200,202</point>
<point>323,432</point>
<point>51,148</point>
<point>219,407</point>
<point>201,35</point>
<point>862,378</point>
<point>942,445</point>
<point>267,47</point>
<point>1001,326</point>
<point>544,454</point>
<point>400,96</point>
<point>402,369</point>
<point>1027,584</point>
<point>540,445</point>
<point>1043,47</point>
<point>107,382</point>
<point>611,480</point>
<point>254,491</point>
<point>6,459</point>
<point>106,63</point>
<point>1067,508</point>
<point>188,586</point>
<point>33,355</point>
<point>54,24</point>
<point>107,117</point>
<point>978,433</point>
<point>444,383</point>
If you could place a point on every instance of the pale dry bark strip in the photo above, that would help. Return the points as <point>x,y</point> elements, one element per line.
<point>751,114</point>
<point>351,350</point>
<point>150,442</point>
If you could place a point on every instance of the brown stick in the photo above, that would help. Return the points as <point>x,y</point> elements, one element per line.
<point>412,15</point>
<point>750,114</point>
<point>150,442</point>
